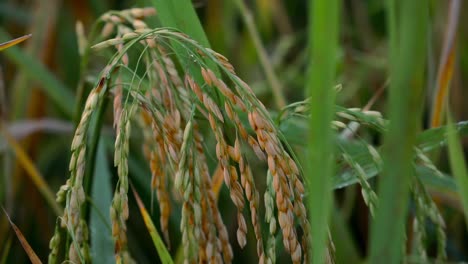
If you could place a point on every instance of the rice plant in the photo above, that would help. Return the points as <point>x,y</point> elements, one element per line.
<point>229,178</point>
<point>169,107</point>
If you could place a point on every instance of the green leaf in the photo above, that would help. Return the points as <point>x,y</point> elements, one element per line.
<point>102,246</point>
<point>323,45</point>
<point>431,179</point>
<point>375,122</point>
<point>408,46</point>
<point>295,129</point>
<point>360,154</point>
<point>181,15</point>
<point>435,138</point>
<point>157,241</point>
<point>358,150</point>
<point>458,165</point>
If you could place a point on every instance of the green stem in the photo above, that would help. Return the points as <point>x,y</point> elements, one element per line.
<point>323,45</point>
<point>407,62</point>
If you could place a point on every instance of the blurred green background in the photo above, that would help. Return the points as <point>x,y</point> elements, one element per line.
<point>39,79</point>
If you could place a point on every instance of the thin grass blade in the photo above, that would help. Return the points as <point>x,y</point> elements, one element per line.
<point>27,248</point>
<point>157,241</point>
<point>443,84</point>
<point>13,42</point>
<point>445,72</point>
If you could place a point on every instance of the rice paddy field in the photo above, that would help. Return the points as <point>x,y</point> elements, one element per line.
<point>233,131</point>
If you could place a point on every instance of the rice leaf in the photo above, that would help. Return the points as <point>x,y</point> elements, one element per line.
<point>295,129</point>
<point>323,46</point>
<point>433,180</point>
<point>157,241</point>
<point>435,138</point>
<point>407,58</point>
<point>180,14</point>
<point>102,246</point>
<point>359,151</point>
<point>458,165</point>
<point>27,248</point>
<point>13,42</point>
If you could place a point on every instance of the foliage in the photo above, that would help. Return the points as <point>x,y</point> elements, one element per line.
<point>231,160</point>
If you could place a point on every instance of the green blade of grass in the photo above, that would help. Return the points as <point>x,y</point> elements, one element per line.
<point>458,165</point>
<point>102,246</point>
<point>436,138</point>
<point>181,15</point>
<point>407,61</point>
<point>54,88</point>
<point>295,129</point>
<point>157,241</point>
<point>323,45</point>
<point>444,184</point>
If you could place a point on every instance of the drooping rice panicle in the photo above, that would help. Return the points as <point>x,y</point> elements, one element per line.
<point>73,191</point>
<point>119,210</point>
